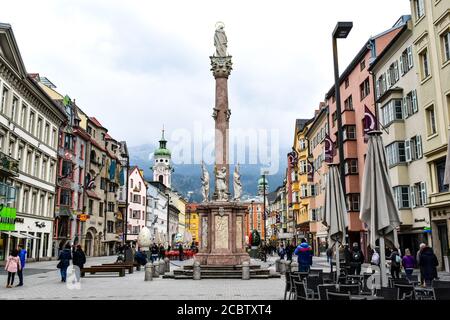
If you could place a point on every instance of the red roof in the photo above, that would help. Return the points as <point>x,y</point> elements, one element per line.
<point>96,122</point>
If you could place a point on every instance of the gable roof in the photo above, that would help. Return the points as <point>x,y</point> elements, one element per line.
<point>96,122</point>
<point>9,51</point>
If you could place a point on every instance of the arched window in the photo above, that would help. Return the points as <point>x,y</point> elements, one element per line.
<point>161,178</point>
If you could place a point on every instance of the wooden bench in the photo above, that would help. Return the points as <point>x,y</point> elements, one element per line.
<point>103,269</point>
<point>129,267</point>
<point>137,265</point>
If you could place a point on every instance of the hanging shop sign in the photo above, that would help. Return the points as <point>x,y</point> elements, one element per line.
<point>7,219</point>
<point>83,217</point>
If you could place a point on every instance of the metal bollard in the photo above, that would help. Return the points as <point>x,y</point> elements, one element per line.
<point>167,265</point>
<point>155,270</point>
<point>162,267</point>
<point>277,265</point>
<point>197,272</point>
<point>149,271</point>
<point>294,266</point>
<point>282,267</point>
<point>245,270</point>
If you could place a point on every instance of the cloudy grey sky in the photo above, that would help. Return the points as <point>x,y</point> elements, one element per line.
<point>136,65</point>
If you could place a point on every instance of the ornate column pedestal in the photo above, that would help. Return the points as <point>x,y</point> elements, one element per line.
<point>222,234</point>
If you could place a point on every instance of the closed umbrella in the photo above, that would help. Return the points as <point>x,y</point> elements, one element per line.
<point>378,208</point>
<point>335,211</point>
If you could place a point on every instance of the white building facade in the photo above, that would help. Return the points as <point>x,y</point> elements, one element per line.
<point>29,124</point>
<point>137,203</point>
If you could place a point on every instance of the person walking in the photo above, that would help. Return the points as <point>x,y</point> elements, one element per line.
<point>356,259</point>
<point>408,263</point>
<point>154,251</point>
<point>12,266</point>
<point>129,256</point>
<point>23,260</point>
<point>395,263</point>
<point>281,252</point>
<point>375,260</point>
<point>162,252</point>
<point>180,251</point>
<point>304,256</point>
<point>289,251</point>
<point>79,258</point>
<point>421,247</point>
<point>428,263</point>
<point>64,261</point>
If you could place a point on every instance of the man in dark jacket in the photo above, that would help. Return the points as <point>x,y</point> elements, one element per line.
<point>79,258</point>
<point>428,264</point>
<point>154,250</point>
<point>289,251</point>
<point>64,261</point>
<point>304,255</point>
<point>356,259</point>
<point>180,251</point>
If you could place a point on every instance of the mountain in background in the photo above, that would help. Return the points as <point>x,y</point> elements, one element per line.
<point>186,177</point>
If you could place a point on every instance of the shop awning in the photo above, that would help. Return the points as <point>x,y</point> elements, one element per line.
<point>19,235</point>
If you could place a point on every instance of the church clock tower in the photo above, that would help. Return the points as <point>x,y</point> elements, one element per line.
<point>162,167</point>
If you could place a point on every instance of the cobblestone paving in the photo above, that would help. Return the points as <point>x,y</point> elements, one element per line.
<point>46,284</point>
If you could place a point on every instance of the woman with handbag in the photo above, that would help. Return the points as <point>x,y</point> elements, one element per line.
<point>12,266</point>
<point>64,261</point>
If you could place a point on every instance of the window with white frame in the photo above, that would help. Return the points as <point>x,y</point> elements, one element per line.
<point>406,60</point>
<point>395,153</point>
<point>302,144</point>
<point>303,167</point>
<point>424,64</point>
<point>418,195</point>
<point>413,148</point>
<point>446,46</point>
<point>348,103</point>
<point>401,195</point>
<point>353,200</point>
<point>419,9</point>
<point>304,190</point>
<point>431,120</point>
<point>410,105</point>
<point>4,101</point>
<point>349,132</point>
<point>364,88</point>
<point>14,106</point>
<point>351,166</point>
<point>391,111</point>
<point>393,74</point>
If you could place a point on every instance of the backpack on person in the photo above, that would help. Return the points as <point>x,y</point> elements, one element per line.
<point>398,259</point>
<point>356,256</point>
<point>375,258</point>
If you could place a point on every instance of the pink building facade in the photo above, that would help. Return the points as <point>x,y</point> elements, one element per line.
<point>356,89</point>
<point>136,203</point>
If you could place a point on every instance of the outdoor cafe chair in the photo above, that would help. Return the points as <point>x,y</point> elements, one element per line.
<point>393,281</point>
<point>300,275</point>
<point>289,288</point>
<point>342,279</point>
<point>349,288</point>
<point>337,296</point>
<point>322,290</point>
<point>441,293</point>
<point>312,282</point>
<point>405,291</point>
<point>440,284</point>
<point>318,272</point>
<point>301,292</point>
<point>388,293</point>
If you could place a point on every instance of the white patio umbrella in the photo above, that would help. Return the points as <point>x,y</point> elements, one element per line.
<point>335,211</point>
<point>378,208</point>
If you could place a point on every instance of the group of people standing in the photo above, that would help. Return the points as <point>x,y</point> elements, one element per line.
<point>74,253</point>
<point>15,263</point>
<point>425,260</point>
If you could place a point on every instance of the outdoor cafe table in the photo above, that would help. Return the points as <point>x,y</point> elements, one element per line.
<point>365,297</point>
<point>422,292</point>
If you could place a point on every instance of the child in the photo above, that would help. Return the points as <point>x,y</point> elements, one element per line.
<point>12,266</point>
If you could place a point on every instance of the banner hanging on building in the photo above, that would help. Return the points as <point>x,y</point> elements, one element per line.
<point>370,123</point>
<point>329,149</point>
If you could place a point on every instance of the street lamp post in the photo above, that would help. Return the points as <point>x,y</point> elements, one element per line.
<point>264,205</point>
<point>341,31</point>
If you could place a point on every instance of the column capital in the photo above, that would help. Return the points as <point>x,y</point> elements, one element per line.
<point>221,66</point>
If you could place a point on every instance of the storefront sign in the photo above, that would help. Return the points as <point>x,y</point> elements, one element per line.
<point>40,224</point>
<point>83,217</point>
<point>7,219</point>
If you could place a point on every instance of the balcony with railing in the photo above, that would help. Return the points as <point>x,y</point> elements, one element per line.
<point>8,165</point>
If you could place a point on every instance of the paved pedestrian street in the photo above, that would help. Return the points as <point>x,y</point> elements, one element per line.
<point>47,285</point>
